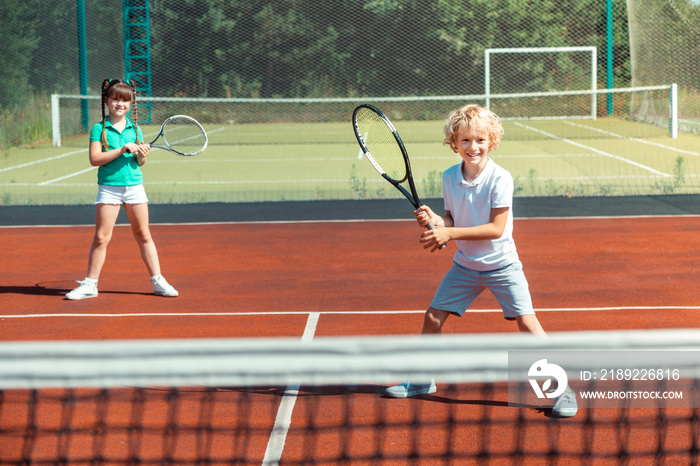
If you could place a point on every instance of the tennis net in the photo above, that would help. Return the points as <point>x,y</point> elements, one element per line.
<point>282,401</point>
<point>642,112</point>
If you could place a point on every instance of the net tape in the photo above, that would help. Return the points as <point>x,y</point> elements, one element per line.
<point>325,360</point>
<point>242,406</point>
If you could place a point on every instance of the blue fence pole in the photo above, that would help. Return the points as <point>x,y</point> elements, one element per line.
<point>610,54</point>
<point>82,63</point>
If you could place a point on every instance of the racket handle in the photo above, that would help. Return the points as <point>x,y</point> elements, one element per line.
<point>431,226</point>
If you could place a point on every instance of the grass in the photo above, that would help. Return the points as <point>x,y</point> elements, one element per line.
<point>27,124</point>
<point>248,163</point>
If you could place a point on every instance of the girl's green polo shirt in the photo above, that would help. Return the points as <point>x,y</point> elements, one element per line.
<point>124,170</point>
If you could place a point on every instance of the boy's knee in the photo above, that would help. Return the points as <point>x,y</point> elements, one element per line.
<point>530,324</point>
<point>433,320</point>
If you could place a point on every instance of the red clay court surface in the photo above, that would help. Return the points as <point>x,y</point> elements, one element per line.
<point>362,278</point>
<point>262,279</point>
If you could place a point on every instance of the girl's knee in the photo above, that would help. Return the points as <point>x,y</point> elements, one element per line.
<point>101,239</point>
<point>143,236</point>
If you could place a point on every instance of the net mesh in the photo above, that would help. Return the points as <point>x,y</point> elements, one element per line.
<point>283,401</point>
<point>305,149</point>
<point>289,49</point>
<point>339,49</point>
<point>286,75</point>
<point>540,69</point>
<point>664,41</point>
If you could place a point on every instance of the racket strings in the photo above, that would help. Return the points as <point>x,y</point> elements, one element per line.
<point>381,145</point>
<point>184,135</point>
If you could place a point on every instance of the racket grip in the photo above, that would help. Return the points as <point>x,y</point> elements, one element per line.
<point>431,226</point>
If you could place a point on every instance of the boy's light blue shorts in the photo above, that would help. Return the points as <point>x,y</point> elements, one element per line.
<point>461,286</point>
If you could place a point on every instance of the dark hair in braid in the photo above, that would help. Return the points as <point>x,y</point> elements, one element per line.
<point>105,86</point>
<point>122,90</point>
<point>133,110</point>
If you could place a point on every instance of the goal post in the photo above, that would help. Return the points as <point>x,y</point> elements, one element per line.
<point>540,50</point>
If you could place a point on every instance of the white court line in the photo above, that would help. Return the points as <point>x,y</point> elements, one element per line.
<point>292,160</point>
<point>44,183</point>
<point>594,150</point>
<point>217,130</point>
<point>71,175</point>
<point>383,312</point>
<point>358,220</point>
<point>250,181</point>
<point>275,445</point>
<point>642,141</point>
<point>28,164</point>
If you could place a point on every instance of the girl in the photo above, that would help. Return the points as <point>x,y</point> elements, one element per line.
<point>116,146</point>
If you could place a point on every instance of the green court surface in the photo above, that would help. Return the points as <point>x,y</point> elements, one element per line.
<point>309,161</point>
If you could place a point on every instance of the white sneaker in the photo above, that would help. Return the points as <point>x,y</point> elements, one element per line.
<point>163,288</point>
<point>408,389</point>
<point>86,289</point>
<point>565,405</point>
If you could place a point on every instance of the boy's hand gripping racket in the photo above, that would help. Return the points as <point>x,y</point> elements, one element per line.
<point>182,135</point>
<point>384,149</point>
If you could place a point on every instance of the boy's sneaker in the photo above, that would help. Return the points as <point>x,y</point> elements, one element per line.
<point>163,288</point>
<point>408,389</point>
<point>565,404</point>
<point>86,289</point>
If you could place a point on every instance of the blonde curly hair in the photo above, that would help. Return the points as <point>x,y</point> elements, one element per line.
<point>479,118</point>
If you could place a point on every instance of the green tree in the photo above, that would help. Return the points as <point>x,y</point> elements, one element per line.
<point>17,28</point>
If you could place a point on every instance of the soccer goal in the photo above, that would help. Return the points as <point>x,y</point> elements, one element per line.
<point>532,72</point>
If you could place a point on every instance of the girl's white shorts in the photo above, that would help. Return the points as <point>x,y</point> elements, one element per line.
<point>121,194</point>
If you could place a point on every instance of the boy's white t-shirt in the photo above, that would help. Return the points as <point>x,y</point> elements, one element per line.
<point>470,205</point>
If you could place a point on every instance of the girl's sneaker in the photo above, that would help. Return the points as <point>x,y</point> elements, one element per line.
<point>86,289</point>
<point>163,288</point>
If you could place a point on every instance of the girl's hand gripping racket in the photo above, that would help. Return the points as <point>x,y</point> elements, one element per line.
<point>384,149</point>
<point>182,135</point>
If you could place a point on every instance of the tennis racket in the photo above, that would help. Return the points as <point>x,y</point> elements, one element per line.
<point>384,149</point>
<point>181,135</point>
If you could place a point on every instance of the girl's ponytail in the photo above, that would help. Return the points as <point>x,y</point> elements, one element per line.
<point>105,95</point>
<point>133,111</point>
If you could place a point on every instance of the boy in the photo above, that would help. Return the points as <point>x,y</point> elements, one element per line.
<point>478,196</point>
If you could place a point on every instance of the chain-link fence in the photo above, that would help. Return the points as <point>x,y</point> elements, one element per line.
<point>665,47</point>
<point>347,48</point>
<point>277,50</point>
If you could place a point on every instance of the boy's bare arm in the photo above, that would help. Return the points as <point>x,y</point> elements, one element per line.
<point>435,238</point>
<point>492,230</point>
